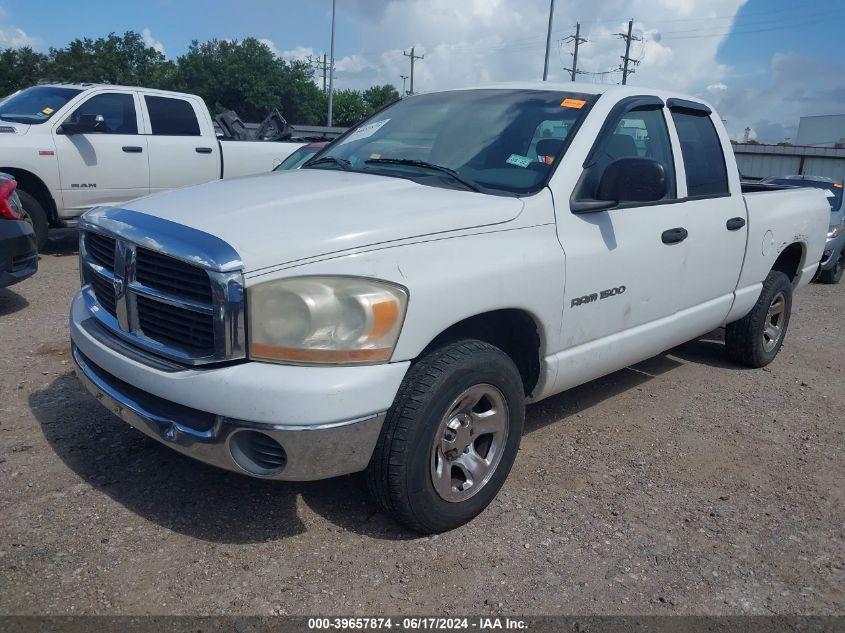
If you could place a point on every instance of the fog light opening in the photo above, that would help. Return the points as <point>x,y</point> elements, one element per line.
<point>257,454</point>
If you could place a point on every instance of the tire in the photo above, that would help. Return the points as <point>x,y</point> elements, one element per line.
<point>833,275</point>
<point>432,418</point>
<point>37,216</point>
<point>756,338</point>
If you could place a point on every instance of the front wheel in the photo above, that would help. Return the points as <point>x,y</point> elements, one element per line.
<point>450,438</point>
<point>756,338</point>
<point>36,216</point>
<point>833,275</point>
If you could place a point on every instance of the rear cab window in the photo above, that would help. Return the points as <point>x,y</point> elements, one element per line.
<point>170,116</point>
<point>704,159</point>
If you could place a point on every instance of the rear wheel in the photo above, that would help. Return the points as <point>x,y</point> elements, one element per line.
<point>37,216</point>
<point>756,338</point>
<point>833,275</point>
<point>451,437</point>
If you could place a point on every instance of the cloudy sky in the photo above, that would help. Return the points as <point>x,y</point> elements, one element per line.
<point>764,63</point>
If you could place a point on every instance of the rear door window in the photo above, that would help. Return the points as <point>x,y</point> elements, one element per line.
<point>704,160</point>
<point>172,117</point>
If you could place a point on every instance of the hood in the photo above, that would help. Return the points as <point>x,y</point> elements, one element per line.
<point>286,216</point>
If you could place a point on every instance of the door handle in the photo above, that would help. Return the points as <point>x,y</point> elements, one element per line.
<point>735,224</point>
<point>203,150</point>
<point>673,236</point>
<point>132,149</point>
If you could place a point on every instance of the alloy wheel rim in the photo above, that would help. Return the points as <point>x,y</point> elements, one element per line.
<point>773,325</point>
<point>469,443</point>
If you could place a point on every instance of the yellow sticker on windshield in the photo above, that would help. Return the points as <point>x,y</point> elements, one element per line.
<point>573,103</point>
<point>48,110</point>
<point>375,156</point>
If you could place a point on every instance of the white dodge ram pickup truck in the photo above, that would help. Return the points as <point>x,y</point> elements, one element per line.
<point>73,147</point>
<point>427,274</point>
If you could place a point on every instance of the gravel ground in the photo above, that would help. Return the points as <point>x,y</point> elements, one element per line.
<point>682,485</point>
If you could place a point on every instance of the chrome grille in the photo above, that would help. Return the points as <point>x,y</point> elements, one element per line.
<point>101,249</point>
<point>170,275</point>
<point>175,326</point>
<point>165,304</point>
<point>104,291</point>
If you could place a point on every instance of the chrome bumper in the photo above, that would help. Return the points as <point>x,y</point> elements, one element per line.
<point>307,452</point>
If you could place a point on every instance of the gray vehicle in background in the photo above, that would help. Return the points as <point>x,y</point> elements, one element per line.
<point>833,260</point>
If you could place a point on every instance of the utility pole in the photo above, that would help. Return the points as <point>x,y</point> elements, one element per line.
<point>578,41</point>
<point>404,79</point>
<point>549,39</point>
<point>413,58</point>
<point>321,66</point>
<point>627,58</point>
<point>331,70</point>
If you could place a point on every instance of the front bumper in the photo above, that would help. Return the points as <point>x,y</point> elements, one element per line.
<point>832,250</point>
<point>18,253</point>
<point>265,420</point>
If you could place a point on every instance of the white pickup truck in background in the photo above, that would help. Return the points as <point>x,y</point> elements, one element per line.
<point>393,305</point>
<point>74,147</point>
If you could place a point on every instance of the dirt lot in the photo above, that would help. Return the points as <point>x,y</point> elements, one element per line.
<point>685,484</point>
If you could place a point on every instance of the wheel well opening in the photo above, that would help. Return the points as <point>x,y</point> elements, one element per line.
<point>34,186</point>
<point>512,331</point>
<point>789,261</point>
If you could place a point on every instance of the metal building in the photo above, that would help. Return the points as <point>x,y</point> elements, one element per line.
<point>763,161</point>
<point>821,131</point>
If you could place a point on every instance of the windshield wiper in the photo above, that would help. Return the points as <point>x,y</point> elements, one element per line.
<point>410,162</point>
<point>345,165</point>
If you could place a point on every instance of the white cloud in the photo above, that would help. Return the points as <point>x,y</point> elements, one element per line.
<point>299,52</point>
<point>352,64</point>
<point>795,85</point>
<point>13,37</point>
<point>151,42</point>
<point>478,41</point>
<point>717,87</point>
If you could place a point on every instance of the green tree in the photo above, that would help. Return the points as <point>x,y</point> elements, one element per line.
<point>246,77</point>
<point>349,107</point>
<point>20,68</point>
<point>379,96</point>
<point>116,59</point>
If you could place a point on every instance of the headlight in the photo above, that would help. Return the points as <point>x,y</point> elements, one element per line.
<point>335,320</point>
<point>836,231</point>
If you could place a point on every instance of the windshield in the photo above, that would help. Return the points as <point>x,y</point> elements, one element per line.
<point>296,160</point>
<point>496,141</point>
<point>834,187</point>
<point>35,105</point>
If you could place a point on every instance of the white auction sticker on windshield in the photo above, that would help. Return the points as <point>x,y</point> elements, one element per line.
<point>365,130</point>
<point>519,161</point>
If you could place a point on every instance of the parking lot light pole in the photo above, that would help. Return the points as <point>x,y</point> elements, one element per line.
<point>331,70</point>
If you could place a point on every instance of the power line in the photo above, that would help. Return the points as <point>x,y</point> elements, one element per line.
<point>740,15</point>
<point>413,59</point>
<point>577,40</point>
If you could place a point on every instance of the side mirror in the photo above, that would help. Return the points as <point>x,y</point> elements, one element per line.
<point>628,179</point>
<point>86,124</point>
<point>633,179</point>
